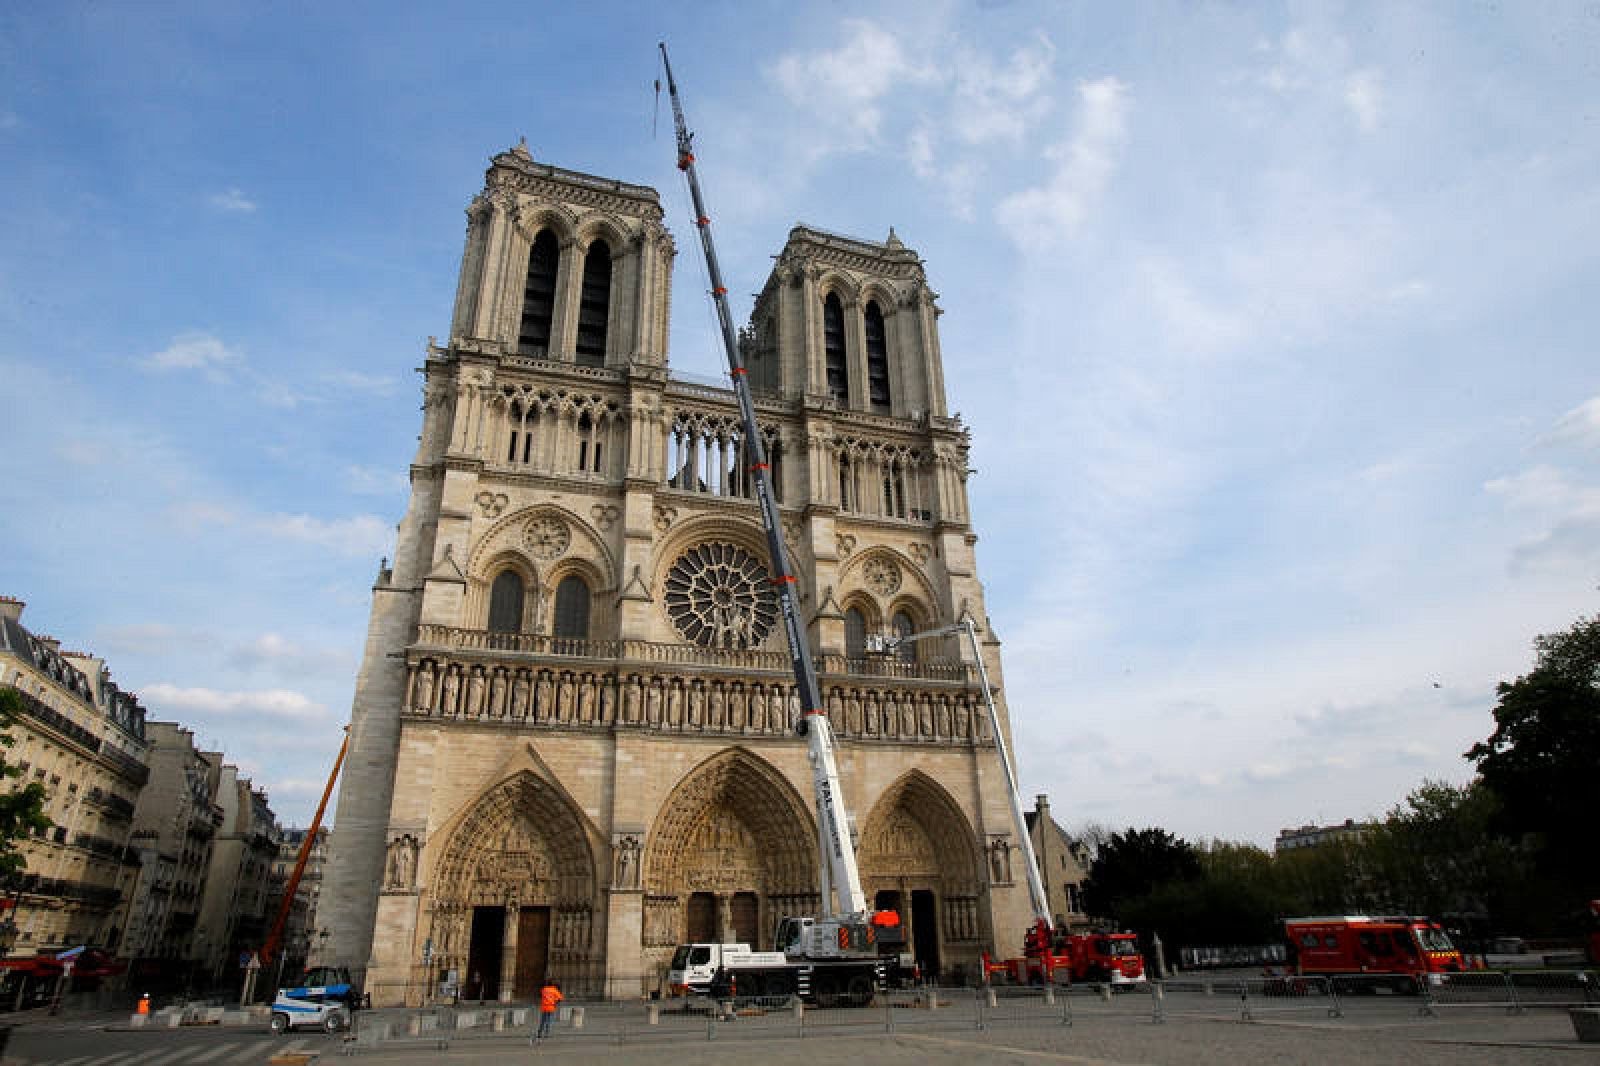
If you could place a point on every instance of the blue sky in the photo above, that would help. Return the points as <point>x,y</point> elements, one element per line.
<point>1273,325</point>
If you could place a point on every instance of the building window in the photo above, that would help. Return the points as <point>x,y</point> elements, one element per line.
<point>833,350</point>
<point>539,296</point>
<point>903,627</point>
<point>855,634</point>
<point>572,608</point>
<point>877,359</point>
<point>594,306</point>
<point>505,603</point>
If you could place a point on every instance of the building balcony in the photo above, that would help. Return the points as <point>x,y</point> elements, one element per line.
<point>644,652</point>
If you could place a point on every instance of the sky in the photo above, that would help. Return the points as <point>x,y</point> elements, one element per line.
<point>1272,324</point>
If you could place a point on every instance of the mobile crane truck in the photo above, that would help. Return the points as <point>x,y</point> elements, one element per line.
<point>832,958</point>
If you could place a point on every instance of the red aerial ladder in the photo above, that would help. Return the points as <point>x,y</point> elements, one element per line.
<point>270,949</point>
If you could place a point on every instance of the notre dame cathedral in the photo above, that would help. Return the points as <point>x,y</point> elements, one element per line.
<point>572,742</point>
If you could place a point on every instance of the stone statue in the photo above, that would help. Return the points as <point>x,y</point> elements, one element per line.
<point>475,692</point>
<point>652,702</point>
<point>543,697</point>
<point>758,709</point>
<point>717,719</point>
<point>452,685</point>
<point>519,695</point>
<point>586,697</point>
<point>424,701</point>
<point>497,694</point>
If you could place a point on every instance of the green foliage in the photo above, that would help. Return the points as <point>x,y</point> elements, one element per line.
<point>21,809</point>
<point>1129,864</point>
<point>1542,759</point>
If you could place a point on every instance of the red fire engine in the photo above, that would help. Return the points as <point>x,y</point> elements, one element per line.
<point>1059,956</point>
<point>1397,951</point>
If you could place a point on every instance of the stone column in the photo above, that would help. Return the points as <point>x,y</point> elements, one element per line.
<point>508,952</point>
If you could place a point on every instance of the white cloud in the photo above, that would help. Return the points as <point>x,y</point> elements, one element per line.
<point>356,535</point>
<point>376,480</point>
<point>195,350</point>
<point>1364,94</point>
<point>1579,426</point>
<point>143,638</point>
<point>163,698</point>
<point>1053,211</point>
<point>232,200</point>
<point>381,385</point>
<point>276,652</point>
<point>845,85</point>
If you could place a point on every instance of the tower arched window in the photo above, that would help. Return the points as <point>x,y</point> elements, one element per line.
<point>903,627</point>
<point>539,295</point>
<point>855,634</point>
<point>594,305</point>
<point>833,350</point>
<point>505,603</point>
<point>877,358</point>
<point>572,608</point>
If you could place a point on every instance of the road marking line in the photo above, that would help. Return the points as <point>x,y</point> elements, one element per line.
<point>216,1052</point>
<point>993,1049</point>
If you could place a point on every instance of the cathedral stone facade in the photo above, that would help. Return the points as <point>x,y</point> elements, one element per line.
<point>572,739</point>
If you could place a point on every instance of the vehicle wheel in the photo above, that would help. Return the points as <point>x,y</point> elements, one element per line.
<point>824,992</point>
<point>280,1023</point>
<point>779,984</point>
<point>336,1022</point>
<point>860,991</point>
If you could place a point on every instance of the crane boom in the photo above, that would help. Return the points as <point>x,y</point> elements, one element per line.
<point>269,950</point>
<point>840,878</point>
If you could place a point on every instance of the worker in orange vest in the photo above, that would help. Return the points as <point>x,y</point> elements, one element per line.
<point>550,998</point>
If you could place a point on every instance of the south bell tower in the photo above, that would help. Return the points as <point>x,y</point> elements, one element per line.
<point>572,734</point>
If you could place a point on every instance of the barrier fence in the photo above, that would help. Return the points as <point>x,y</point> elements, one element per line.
<point>932,1008</point>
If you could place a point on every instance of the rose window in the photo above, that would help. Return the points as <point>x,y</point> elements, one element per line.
<point>718,596</point>
<point>547,537</point>
<point>882,575</point>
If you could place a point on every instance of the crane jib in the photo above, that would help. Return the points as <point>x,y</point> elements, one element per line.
<point>840,871</point>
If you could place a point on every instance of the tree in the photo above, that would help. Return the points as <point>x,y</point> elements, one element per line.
<point>1541,760</point>
<point>21,809</point>
<point>1131,864</point>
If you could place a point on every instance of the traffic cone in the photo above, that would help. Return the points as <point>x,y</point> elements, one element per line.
<point>144,1003</point>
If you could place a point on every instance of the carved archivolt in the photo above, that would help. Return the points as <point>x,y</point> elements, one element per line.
<point>734,824</point>
<point>521,841</point>
<point>916,836</point>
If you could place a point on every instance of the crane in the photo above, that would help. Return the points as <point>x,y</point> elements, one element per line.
<point>843,901</point>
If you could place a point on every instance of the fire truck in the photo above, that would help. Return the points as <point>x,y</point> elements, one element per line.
<point>832,958</point>
<point>1394,951</point>
<point>1062,957</point>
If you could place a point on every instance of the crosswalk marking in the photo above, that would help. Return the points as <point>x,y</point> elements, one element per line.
<point>216,1052</point>
<point>171,1057</point>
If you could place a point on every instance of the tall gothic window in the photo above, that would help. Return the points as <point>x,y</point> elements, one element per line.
<point>539,295</point>
<point>903,627</point>
<point>855,634</point>
<point>833,350</point>
<point>572,608</point>
<point>877,359</point>
<point>505,603</point>
<point>594,305</point>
